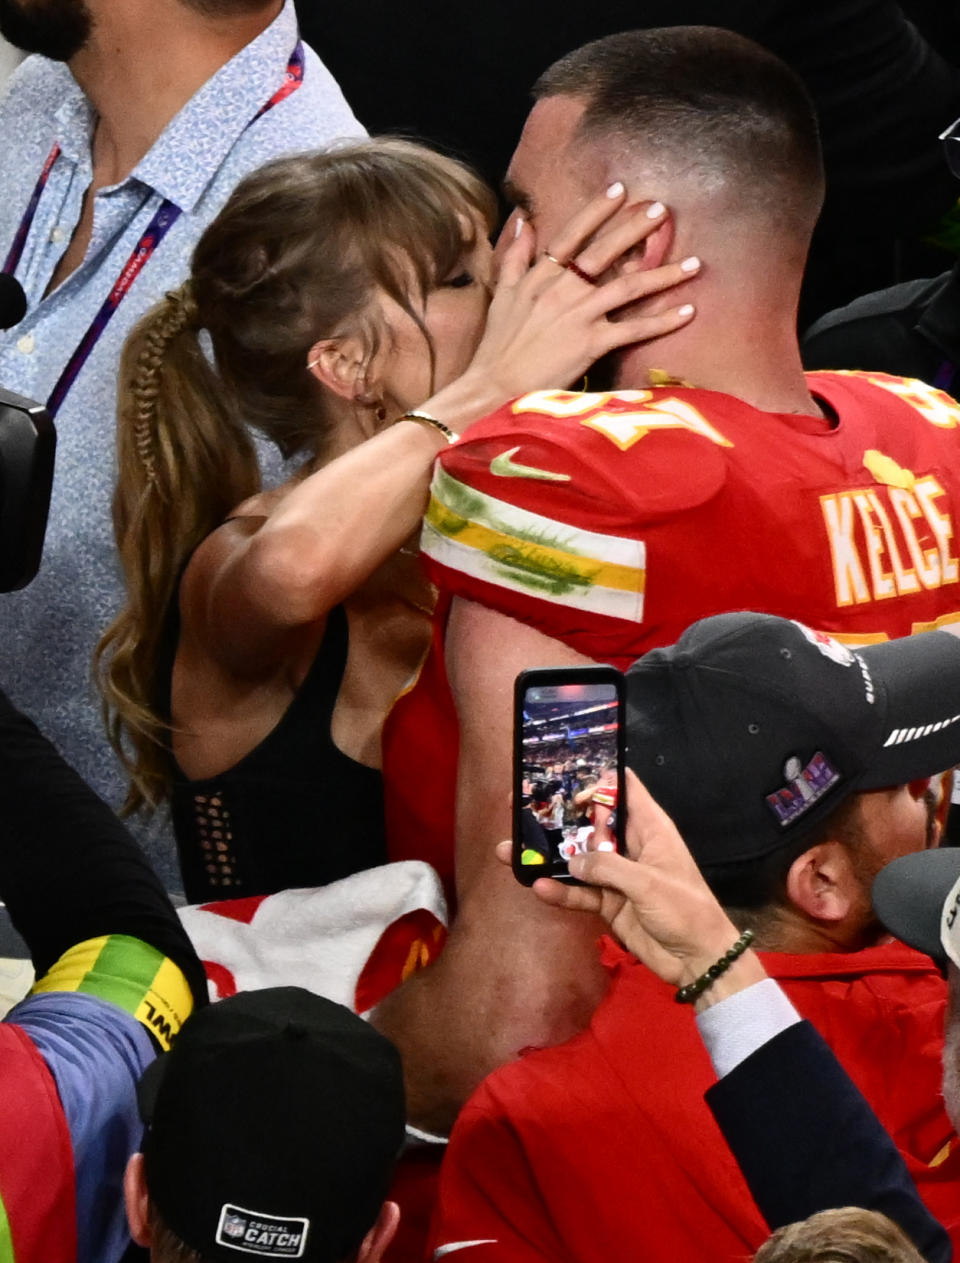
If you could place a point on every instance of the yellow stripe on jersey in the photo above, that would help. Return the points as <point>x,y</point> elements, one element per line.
<point>941,1156</point>
<point>513,548</point>
<point>945,620</point>
<point>858,640</point>
<point>129,973</point>
<point>552,561</point>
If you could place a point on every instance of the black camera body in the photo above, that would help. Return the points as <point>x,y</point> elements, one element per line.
<point>28,443</point>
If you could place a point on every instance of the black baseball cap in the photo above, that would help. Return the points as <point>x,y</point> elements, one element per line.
<point>273,1126</point>
<point>752,729</point>
<point>917,897</point>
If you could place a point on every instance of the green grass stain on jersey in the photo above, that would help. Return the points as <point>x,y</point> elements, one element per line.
<point>457,504</point>
<point>538,571</point>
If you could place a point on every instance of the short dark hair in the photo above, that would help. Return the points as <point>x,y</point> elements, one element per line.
<point>702,96</point>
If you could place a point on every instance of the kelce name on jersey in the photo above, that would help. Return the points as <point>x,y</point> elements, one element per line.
<point>876,546</point>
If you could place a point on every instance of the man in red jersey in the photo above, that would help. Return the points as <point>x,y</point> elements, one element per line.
<point>795,769</point>
<point>715,477</point>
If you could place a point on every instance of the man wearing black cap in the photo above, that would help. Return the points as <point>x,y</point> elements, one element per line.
<point>795,769</point>
<point>803,1135</point>
<point>273,1127</point>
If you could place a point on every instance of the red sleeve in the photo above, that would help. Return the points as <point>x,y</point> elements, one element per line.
<point>489,1209</point>
<point>542,511</point>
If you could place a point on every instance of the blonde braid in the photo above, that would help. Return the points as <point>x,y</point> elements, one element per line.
<point>184,460</point>
<point>178,313</point>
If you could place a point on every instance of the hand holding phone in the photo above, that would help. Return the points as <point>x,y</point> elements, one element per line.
<point>656,902</point>
<point>568,792</point>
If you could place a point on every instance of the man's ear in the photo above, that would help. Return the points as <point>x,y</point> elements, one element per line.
<point>374,1244</point>
<point>822,883</point>
<point>340,364</point>
<point>137,1201</point>
<point>653,251</point>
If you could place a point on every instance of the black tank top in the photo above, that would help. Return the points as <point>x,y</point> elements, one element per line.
<point>295,811</point>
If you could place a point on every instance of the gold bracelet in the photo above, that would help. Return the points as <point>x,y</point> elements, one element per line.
<point>425,419</point>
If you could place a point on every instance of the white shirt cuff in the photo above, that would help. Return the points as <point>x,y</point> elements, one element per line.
<point>739,1025</point>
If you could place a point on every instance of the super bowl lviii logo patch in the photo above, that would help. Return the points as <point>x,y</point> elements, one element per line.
<point>269,1236</point>
<point>805,786</point>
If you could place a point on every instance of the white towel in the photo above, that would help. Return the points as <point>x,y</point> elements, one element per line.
<point>352,941</point>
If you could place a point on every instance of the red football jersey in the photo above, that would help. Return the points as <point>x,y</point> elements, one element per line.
<point>613,521</point>
<point>604,1149</point>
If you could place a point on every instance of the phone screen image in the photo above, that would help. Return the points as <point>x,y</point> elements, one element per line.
<point>568,768</point>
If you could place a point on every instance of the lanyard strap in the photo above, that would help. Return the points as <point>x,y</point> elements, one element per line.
<point>158,227</point>
<point>20,240</point>
<point>156,230</point>
<point>292,79</point>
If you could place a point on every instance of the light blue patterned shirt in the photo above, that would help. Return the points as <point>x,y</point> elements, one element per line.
<point>48,631</point>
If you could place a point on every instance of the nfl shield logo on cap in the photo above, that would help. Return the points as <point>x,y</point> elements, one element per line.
<point>233,1226</point>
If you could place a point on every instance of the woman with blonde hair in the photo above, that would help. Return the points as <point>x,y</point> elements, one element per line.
<point>339,306</point>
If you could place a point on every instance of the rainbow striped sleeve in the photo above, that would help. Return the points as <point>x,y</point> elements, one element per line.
<point>129,973</point>
<point>487,539</point>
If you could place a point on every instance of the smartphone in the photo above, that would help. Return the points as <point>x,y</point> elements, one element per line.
<point>568,790</point>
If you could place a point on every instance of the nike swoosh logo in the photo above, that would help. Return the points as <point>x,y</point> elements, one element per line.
<point>505,467</point>
<point>443,1250</point>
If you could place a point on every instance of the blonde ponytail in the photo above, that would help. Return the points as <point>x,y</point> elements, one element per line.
<point>184,461</point>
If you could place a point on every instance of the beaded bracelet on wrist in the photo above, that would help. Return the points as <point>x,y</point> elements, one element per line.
<point>689,993</point>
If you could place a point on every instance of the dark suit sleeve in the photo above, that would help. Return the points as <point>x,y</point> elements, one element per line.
<point>806,1140</point>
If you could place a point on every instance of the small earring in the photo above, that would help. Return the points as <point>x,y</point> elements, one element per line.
<point>381,412</point>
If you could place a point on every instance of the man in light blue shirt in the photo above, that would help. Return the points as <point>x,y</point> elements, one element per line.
<point>155,105</point>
